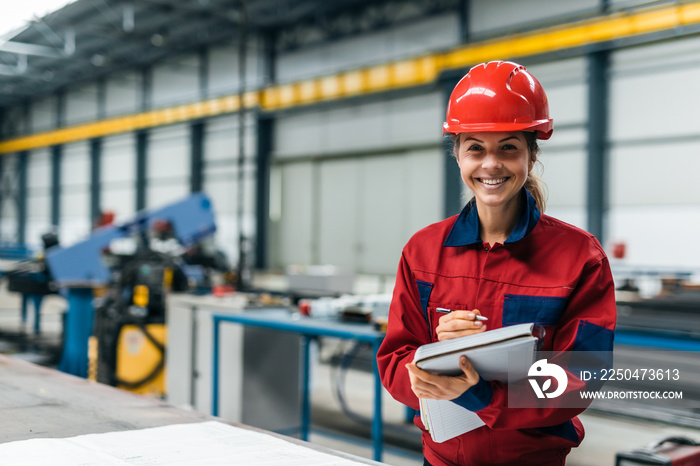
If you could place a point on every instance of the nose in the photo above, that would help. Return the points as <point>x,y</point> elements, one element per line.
<point>491,160</point>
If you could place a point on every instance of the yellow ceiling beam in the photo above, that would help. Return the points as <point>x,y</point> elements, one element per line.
<point>411,72</point>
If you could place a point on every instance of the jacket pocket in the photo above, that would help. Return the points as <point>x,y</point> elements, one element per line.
<point>435,311</point>
<point>542,310</point>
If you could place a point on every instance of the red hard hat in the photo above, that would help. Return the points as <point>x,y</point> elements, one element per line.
<point>498,96</point>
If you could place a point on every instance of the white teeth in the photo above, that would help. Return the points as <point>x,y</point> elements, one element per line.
<point>493,182</point>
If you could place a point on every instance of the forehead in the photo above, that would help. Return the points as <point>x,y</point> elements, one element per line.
<point>492,136</point>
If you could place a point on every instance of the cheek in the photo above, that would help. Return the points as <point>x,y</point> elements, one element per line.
<point>465,172</point>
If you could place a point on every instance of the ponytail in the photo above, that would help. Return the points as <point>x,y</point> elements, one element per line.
<point>533,183</point>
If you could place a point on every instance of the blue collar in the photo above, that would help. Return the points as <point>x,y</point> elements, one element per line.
<point>465,230</point>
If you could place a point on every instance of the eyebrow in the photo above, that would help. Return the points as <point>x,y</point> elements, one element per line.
<point>502,140</point>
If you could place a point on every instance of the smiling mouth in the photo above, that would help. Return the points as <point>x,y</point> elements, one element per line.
<point>492,181</point>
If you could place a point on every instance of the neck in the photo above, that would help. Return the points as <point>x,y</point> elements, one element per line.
<point>496,223</point>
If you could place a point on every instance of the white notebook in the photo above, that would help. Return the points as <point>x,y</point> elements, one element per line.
<point>489,353</point>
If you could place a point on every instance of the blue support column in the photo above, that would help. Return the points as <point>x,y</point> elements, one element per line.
<point>141,154</point>
<point>306,388</point>
<point>597,160</point>
<point>216,322</point>
<point>196,156</point>
<point>377,424</point>
<point>262,173</point>
<point>78,328</point>
<point>56,156</point>
<point>95,178</point>
<point>22,159</point>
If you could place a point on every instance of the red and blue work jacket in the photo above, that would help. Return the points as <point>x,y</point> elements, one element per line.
<point>547,272</point>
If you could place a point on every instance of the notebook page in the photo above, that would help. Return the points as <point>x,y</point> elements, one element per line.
<point>448,420</point>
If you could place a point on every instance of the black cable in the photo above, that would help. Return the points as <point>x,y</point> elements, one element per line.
<point>154,372</point>
<point>345,362</point>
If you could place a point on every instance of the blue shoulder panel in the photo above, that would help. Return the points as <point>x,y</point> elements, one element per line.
<point>424,290</point>
<point>542,310</point>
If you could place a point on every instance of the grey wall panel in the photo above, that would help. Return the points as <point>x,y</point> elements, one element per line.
<point>299,134</point>
<point>175,81</point>
<point>647,87</point>
<point>221,153</point>
<point>422,188</point>
<point>296,224</point>
<point>434,33</point>
<point>369,126</point>
<point>221,139</point>
<point>38,195</point>
<point>120,200</point>
<point>122,94</point>
<point>168,165</point>
<point>169,152</point>
<point>118,175</point>
<point>564,176</point>
<point>339,214</point>
<point>653,153</point>
<point>335,217</point>
<point>75,192</point>
<point>118,160</point>
<point>409,189</point>
<point>38,218</point>
<point>81,104</point>
<point>223,68</point>
<point>43,114</point>
<point>655,174</point>
<point>505,16</point>
<point>647,230</point>
<point>221,185</point>
<point>9,214</point>
<point>39,170</point>
<point>645,106</point>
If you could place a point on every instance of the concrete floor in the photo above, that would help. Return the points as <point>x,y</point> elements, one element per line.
<point>606,434</point>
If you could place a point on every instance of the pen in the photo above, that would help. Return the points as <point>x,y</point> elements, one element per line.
<point>444,310</point>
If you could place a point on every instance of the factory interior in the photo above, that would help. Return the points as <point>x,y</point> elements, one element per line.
<point>204,205</point>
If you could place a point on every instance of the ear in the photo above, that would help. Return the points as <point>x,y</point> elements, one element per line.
<point>531,162</point>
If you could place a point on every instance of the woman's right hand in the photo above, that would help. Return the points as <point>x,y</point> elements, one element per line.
<point>459,324</point>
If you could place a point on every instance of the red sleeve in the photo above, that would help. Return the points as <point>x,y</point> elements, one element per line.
<point>407,330</point>
<point>587,325</point>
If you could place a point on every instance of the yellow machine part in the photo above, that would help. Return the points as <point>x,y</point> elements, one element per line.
<point>137,357</point>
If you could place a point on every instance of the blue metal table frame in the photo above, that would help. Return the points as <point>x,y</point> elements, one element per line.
<point>283,320</point>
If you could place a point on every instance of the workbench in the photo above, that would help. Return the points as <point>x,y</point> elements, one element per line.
<point>41,403</point>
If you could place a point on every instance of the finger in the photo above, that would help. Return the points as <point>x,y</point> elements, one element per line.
<point>460,324</point>
<point>457,315</point>
<point>419,378</point>
<point>449,335</point>
<point>468,369</point>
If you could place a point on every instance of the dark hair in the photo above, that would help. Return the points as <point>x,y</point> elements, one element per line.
<point>532,182</point>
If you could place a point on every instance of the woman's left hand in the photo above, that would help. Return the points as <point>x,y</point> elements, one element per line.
<point>442,387</point>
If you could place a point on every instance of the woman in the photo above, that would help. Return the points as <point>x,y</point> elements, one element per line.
<point>503,259</point>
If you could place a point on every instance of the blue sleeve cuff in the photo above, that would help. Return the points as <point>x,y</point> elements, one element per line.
<point>477,397</point>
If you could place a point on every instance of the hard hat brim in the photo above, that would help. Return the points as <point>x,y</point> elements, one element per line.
<point>543,128</point>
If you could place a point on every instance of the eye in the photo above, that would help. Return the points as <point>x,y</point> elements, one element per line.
<point>509,147</point>
<point>474,147</point>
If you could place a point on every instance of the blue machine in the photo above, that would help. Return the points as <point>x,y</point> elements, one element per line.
<point>80,267</point>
